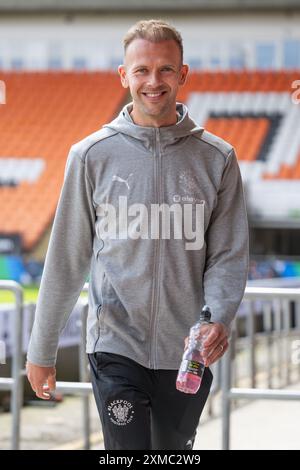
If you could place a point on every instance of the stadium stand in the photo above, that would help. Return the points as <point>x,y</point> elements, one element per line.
<point>47,113</point>
<point>254,111</point>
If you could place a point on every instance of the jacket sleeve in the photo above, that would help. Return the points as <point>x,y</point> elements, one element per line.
<point>67,262</point>
<point>227,245</point>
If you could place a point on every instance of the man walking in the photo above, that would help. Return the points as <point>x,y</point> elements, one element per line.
<point>152,206</point>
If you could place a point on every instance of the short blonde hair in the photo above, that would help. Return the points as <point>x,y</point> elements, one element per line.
<point>153,31</point>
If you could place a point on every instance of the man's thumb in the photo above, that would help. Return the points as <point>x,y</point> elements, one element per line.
<point>51,382</point>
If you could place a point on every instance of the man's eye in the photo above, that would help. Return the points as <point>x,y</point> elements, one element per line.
<point>168,69</point>
<point>141,70</point>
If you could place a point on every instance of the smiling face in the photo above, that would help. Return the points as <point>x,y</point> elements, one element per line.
<point>153,72</point>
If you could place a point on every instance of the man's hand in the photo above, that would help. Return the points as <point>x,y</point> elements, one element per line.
<point>215,344</point>
<point>42,380</point>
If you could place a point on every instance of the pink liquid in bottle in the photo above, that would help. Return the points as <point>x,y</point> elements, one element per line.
<point>192,365</point>
<point>190,373</point>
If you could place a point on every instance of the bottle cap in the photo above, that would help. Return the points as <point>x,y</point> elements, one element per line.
<point>205,314</point>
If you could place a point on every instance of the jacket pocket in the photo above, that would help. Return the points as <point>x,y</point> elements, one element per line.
<point>97,247</point>
<point>101,307</point>
<point>100,311</point>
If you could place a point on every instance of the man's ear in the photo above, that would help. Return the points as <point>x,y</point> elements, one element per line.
<point>183,74</point>
<point>123,75</point>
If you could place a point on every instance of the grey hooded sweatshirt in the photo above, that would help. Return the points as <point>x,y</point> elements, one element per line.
<point>156,218</point>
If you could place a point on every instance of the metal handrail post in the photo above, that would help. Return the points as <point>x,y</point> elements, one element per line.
<point>233,363</point>
<point>226,402</point>
<point>297,324</point>
<point>84,378</point>
<point>267,322</point>
<point>251,336</point>
<point>263,293</point>
<point>278,321</point>
<point>17,391</point>
<point>286,329</point>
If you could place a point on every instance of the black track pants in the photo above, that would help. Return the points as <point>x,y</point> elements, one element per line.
<point>140,408</point>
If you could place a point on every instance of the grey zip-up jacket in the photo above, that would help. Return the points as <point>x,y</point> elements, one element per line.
<point>156,218</point>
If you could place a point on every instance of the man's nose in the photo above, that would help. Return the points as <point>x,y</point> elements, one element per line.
<point>154,79</point>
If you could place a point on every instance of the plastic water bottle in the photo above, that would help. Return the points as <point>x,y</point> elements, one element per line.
<point>192,365</point>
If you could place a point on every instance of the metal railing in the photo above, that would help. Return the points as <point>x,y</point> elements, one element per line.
<point>224,378</point>
<point>230,393</point>
<point>15,382</point>
<point>84,387</point>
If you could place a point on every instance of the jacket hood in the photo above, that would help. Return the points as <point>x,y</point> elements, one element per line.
<point>169,135</point>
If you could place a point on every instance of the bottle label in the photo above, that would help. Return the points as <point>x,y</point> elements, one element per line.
<point>193,367</point>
